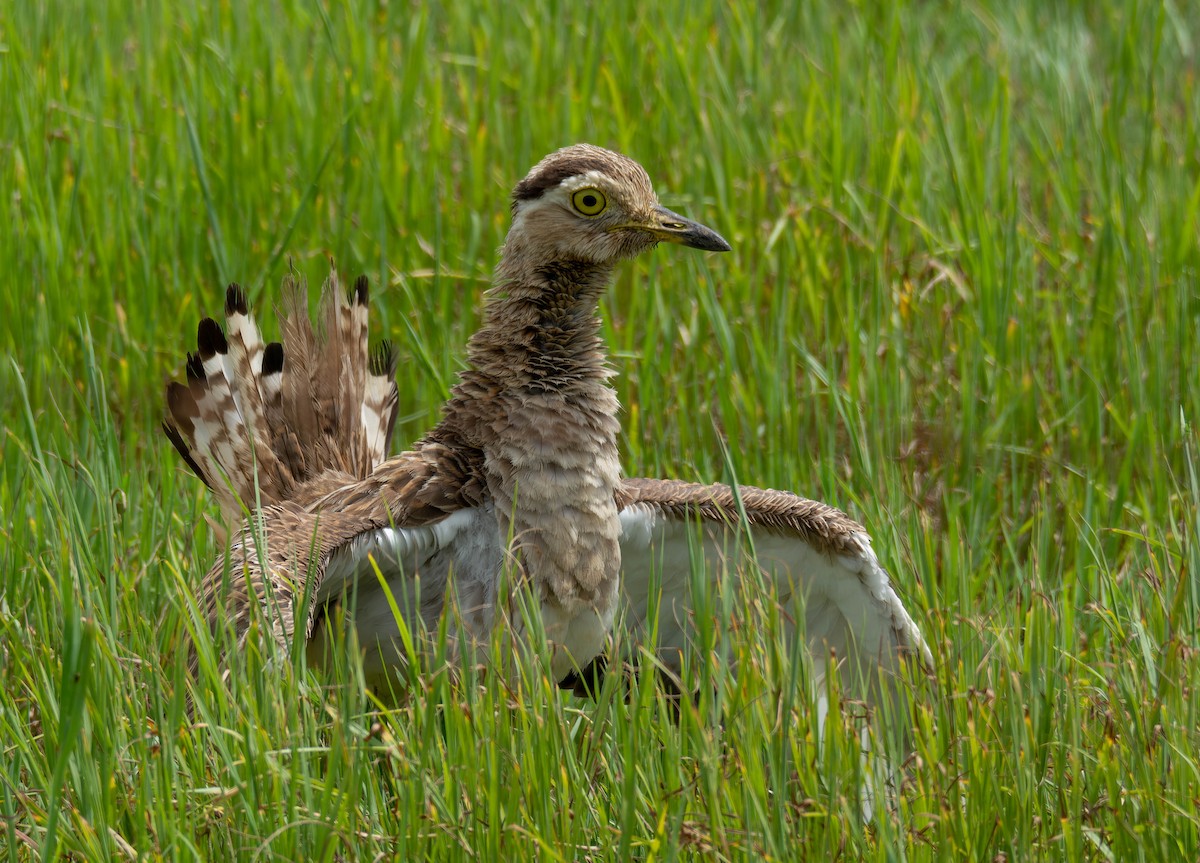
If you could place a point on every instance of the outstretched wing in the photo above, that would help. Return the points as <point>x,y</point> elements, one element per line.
<point>296,434</point>
<point>807,549</point>
<point>413,518</point>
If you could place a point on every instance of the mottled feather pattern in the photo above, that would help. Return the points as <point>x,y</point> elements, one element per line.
<point>243,359</point>
<point>219,433</point>
<point>330,380</point>
<point>271,385</point>
<point>255,421</point>
<point>356,360</point>
<point>380,401</point>
<point>244,372</point>
<point>291,424</point>
<point>415,488</point>
<point>821,525</point>
<point>527,445</point>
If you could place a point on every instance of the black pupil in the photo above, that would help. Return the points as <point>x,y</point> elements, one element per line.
<point>589,201</point>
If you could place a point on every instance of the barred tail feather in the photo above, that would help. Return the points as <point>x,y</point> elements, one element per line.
<point>284,439</point>
<point>356,363</point>
<point>243,359</point>
<point>206,411</point>
<point>300,358</point>
<point>256,420</point>
<point>343,371</point>
<point>244,371</point>
<point>380,402</point>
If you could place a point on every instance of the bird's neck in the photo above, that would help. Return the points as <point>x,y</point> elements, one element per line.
<point>539,351</point>
<point>540,327</point>
<point>536,407</point>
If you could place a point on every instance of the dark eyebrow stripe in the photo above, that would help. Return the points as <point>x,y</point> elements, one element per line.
<point>536,185</point>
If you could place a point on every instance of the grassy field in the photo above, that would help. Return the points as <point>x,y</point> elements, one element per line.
<point>963,305</point>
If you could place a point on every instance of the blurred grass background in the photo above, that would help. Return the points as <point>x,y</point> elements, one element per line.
<point>962,305</point>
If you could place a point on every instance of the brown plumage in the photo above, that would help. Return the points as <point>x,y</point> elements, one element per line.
<point>529,431</point>
<point>256,424</point>
<point>820,525</point>
<point>526,451</point>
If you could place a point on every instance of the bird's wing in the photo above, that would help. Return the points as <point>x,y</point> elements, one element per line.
<point>807,549</point>
<point>292,556</point>
<point>292,439</point>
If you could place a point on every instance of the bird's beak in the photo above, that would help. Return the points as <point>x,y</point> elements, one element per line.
<point>673,228</point>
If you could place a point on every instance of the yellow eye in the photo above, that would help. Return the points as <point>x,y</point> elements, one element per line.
<point>590,202</point>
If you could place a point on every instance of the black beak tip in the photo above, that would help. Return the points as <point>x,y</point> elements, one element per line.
<point>709,240</point>
<point>720,244</point>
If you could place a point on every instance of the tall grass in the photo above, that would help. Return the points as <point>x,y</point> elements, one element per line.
<point>962,305</point>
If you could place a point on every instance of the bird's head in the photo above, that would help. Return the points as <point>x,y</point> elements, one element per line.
<point>585,203</point>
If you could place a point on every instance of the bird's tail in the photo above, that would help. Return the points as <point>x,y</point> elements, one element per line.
<point>255,421</point>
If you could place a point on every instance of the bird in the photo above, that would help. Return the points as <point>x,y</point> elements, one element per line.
<point>522,472</point>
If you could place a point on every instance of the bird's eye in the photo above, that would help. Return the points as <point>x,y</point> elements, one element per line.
<point>590,202</point>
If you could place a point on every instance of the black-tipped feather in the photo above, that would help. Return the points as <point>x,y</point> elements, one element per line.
<point>383,359</point>
<point>210,339</point>
<point>235,300</point>
<point>195,367</point>
<point>256,420</point>
<point>273,359</point>
<point>184,450</point>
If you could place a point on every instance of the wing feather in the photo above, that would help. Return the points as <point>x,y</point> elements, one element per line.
<point>807,548</point>
<point>333,522</point>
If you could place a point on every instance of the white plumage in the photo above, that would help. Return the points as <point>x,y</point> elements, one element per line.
<point>851,611</point>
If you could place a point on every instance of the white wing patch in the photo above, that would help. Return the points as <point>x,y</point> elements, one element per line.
<point>849,604</point>
<point>417,563</point>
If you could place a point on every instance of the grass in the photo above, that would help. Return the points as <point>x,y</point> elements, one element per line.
<point>963,305</point>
